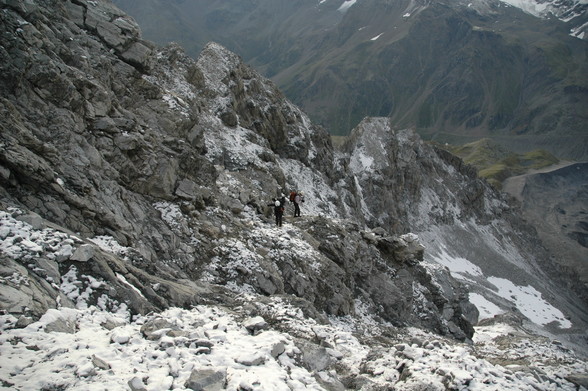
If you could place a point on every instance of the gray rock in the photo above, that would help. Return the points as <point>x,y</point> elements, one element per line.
<point>23,321</point>
<point>100,363</point>
<point>156,328</point>
<point>136,384</point>
<point>84,253</point>
<point>278,349</point>
<point>33,219</point>
<point>256,324</point>
<point>316,358</point>
<point>251,360</point>
<point>61,325</point>
<point>50,269</point>
<point>578,379</point>
<point>138,54</point>
<point>187,189</point>
<point>207,380</point>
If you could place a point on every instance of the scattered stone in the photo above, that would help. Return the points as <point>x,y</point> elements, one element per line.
<point>278,349</point>
<point>136,384</point>
<point>250,360</point>
<point>155,328</point>
<point>23,321</point>
<point>256,324</point>
<point>86,370</point>
<point>207,380</point>
<point>33,219</point>
<point>205,343</point>
<point>100,363</point>
<point>83,253</point>
<point>315,358</point>
<point>61,325</point>
<point>417,341</point>
<point>120,335</point>
<point>400,347</point>
<point>111,324</point>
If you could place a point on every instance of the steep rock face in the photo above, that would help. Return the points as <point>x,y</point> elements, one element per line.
<point>158,170</point>
<point>402,184</point>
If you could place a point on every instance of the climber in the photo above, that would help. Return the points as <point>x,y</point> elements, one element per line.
<point>298,198</point>
<point>278,205</point>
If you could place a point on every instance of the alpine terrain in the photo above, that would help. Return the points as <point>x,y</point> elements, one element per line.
<point>456,71</point>
<point>139,250</point>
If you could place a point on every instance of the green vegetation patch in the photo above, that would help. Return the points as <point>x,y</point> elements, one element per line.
<point>496,164</point>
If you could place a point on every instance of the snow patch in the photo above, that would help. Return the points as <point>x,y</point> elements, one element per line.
<point>530,302</point>
<point>486,308</point>
<point>459,267</point>
<point>346,5</point>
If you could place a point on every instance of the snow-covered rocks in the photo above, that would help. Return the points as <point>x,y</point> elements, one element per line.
<point>329,357</point>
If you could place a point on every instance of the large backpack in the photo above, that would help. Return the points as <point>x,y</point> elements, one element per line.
<point>292,196</point>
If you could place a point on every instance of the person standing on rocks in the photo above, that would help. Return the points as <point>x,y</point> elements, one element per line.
<point>298,198</point>
<point>279,206</point>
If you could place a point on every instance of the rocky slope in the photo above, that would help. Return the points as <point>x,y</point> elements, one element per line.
<point>176,160</point>
<point>135,179</point>
<point>555,200</point>
<point>456,71</point>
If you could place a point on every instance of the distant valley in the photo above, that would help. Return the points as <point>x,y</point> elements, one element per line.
<point>454,71</point>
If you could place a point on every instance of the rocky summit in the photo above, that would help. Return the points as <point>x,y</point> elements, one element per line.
<point>137,191</point>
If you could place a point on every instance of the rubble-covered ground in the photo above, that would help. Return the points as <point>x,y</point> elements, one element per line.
<point>258,343</point>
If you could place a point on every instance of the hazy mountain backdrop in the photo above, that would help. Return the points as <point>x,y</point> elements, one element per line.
<point>454,70</point>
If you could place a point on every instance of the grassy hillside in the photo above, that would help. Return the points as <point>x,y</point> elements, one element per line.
<point>495,164</point>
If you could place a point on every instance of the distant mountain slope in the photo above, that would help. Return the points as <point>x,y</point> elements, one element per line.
<point>555,201</point>
<point>455,71</point>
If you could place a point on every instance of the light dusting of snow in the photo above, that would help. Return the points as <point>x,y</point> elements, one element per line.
<point>318,195</point>
<point>109,244</point>
<point>92,356</point>
<point>346,5</point>
<point>530,6</point>
<point>178,92</point>
<point>170,213</point>
<point>565,11</point>
<point>265,360</point>
<point>580,32</point>
<point>19,239</point>
<point>216,63</point>
<point>234,147</point>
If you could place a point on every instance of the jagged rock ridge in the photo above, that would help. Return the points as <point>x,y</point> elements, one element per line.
<point>175,159</point>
